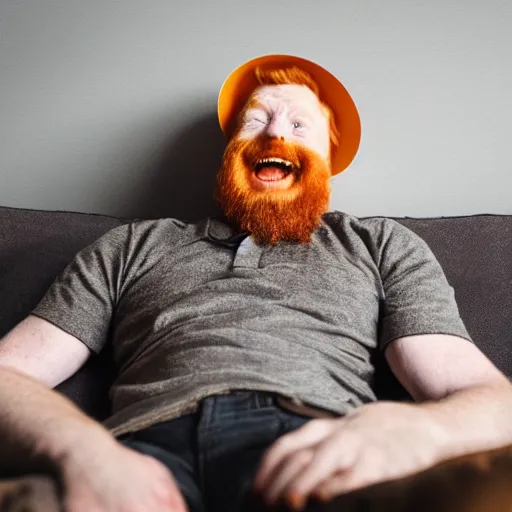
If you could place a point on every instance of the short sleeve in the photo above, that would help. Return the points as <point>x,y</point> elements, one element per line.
<point>82,299</point>
<point>417,296</point>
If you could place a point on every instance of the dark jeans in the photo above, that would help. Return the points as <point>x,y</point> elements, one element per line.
<point>215,452</point>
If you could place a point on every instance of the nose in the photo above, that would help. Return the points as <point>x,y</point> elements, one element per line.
<point>277,129</point>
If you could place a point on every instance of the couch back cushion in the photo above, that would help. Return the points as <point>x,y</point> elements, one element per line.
<point>35,246</point>
<point>475,253</point>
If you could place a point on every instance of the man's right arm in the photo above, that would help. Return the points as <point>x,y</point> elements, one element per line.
<point>41,430</point>
<point>36,423</point>
<point>40,349</point>
<point>49,346</point>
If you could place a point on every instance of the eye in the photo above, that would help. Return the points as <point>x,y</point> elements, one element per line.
<point>256,119</point>
<point>297,125</point>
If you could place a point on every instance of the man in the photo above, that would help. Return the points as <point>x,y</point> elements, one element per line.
<point>243,344</point>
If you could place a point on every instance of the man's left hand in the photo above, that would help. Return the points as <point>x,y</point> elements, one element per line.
<point>327,457</point>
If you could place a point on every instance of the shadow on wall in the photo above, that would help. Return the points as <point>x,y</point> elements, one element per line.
<point>181,182</point>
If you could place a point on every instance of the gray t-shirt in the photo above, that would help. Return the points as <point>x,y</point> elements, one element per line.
<point>199,309</point>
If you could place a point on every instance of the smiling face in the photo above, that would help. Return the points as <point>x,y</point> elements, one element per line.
<point>274,179</point>
<point>288,113</point>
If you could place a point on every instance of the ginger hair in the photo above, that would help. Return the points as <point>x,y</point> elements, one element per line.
<point>296,76</point>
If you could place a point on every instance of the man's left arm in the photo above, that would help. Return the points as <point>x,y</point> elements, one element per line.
<point>463,405</point>
<point>458,387</point>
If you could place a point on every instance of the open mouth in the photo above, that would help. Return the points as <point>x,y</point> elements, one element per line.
<point>273,169</point>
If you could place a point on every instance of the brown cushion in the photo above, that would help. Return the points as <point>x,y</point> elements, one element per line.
<point>35,246</point>
<point>476,255</point>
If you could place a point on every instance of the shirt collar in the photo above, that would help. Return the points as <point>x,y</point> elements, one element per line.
<point>220,230</point>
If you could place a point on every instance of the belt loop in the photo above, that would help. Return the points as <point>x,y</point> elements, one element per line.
<point>208,411</point>
<point>265,399</point>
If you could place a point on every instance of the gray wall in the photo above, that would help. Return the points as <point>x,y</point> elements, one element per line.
<point>109,106</point>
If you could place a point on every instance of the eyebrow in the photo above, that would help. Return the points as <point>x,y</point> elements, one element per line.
<point>252,104</point>
<point>256,104</point>
<point>301,113</point>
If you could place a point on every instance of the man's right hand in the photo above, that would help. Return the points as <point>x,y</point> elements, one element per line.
<point>108,477</point>
<point>37,424</point>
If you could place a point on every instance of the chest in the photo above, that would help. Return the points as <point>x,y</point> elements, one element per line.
<point>330,278</point>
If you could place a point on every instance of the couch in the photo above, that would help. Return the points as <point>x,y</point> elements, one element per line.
<point>474,251</point>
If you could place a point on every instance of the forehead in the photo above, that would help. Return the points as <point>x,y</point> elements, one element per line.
<point>286,95</point>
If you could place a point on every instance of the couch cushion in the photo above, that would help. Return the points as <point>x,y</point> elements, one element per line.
<point>476,255</point>
<point>35,246</point>
<point>475,252</point>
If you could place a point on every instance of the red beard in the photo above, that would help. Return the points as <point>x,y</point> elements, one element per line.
<point>273,215</point>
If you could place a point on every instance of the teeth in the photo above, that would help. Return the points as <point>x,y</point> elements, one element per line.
<point>274,161</point>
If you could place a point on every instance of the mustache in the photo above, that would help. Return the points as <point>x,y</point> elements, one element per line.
<point>289,156</point>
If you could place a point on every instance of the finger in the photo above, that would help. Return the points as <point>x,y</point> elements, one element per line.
<point>169,489</point>
<point>343,482</point>
<point>285,474</point>
<point>304,437</point>
<point>177,501</point>
<point>337,453</point>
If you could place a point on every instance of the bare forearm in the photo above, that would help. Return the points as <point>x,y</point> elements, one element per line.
<point>37,425</point>
<point>474,419</point>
